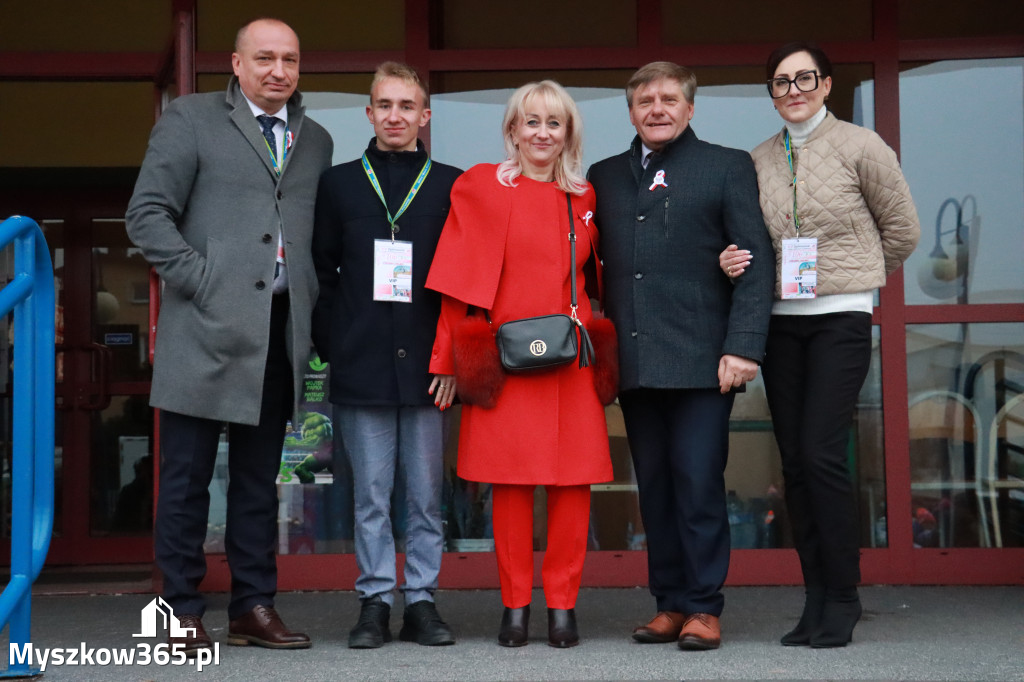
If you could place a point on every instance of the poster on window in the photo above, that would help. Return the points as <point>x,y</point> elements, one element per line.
<point>309,440</point>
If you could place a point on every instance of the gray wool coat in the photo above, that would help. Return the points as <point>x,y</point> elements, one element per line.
<point>206,213</point>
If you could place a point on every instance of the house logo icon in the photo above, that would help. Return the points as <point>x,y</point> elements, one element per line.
<point>152,614</point>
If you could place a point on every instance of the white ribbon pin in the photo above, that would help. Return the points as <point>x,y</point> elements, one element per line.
<point>659,179</point>
<point>586,218</point>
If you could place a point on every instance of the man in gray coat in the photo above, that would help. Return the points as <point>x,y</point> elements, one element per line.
<point>223,209</point>
<point>687,337</point>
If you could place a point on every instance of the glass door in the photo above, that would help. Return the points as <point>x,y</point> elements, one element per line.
<point>104,427</point>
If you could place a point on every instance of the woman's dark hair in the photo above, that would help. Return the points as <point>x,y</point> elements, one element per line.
<point>821,59</point>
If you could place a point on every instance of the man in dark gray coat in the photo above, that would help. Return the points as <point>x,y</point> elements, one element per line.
<point>223,209</point>
<point>688,338</point>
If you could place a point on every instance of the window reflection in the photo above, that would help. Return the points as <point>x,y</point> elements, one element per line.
<point>965,172</point>
<point>966,383</point>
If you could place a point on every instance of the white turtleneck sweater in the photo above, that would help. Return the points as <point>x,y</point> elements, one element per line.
<point>861,301</point>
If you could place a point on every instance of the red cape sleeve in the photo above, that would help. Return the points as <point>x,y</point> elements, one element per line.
<point>467,263</point>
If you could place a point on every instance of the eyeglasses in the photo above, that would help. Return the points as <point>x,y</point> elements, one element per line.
<point>804,82</point>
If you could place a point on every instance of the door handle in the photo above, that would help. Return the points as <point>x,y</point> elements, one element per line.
<point>64,404</point>
<point>100,400</point>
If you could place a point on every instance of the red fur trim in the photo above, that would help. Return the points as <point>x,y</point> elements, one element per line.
<point>479,376</point>
<point>606,358</point>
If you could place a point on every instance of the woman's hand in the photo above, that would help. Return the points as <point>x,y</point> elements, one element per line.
<point>733,261</point>
<point>442,387</point>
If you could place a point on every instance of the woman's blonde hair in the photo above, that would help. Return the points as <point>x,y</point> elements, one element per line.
<point>569,167</point>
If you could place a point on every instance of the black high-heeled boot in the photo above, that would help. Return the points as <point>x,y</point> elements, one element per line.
<point>562,632</point>
<point>515,627</point>
<point>810,619</point>
<point>840,614</point>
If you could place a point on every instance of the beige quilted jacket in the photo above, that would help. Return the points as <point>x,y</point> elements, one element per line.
<point>851,195</point>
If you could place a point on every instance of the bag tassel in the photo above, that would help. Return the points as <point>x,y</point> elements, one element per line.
<point>586,346</point>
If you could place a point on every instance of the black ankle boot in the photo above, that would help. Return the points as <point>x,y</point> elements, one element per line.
<point>810,619</point>
<point>840,614</point>
<point>562,632</point>
<point>515,627</point>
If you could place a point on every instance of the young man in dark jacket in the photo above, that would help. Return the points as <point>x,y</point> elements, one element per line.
<point>376,226</point>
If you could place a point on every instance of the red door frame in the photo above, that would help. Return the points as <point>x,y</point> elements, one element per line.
<point>898,563</point>
<point>77,208</point>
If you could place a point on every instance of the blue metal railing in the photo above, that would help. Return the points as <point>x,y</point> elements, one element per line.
<point>30,295</point>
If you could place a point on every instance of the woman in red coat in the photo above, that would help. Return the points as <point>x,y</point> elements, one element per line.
<point>505,249</point>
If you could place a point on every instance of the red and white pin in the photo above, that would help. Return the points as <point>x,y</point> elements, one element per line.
<point>659,179</point>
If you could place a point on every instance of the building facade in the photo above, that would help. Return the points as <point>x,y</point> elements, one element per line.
<point>938,444</point>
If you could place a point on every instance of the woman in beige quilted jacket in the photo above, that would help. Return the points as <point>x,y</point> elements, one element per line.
<point>841,218</point>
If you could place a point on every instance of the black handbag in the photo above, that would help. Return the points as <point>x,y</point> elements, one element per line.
<point>535,343</point>
<point>539,343</point>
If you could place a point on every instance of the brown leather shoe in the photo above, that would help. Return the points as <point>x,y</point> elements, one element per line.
<point>701,631</point>
<point>263,627</point>
<point>664,627</point>
<point>190,644</point>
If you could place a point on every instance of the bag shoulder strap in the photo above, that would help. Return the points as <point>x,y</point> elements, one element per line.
<point>572,255</point>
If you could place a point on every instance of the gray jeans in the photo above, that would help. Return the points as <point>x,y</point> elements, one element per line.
<point>378,440</point>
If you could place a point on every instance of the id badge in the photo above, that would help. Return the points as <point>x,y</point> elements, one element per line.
<point>799,267</point>
<point>392,271</point>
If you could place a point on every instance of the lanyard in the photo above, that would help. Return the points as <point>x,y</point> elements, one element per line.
<point>273,154</point>
<point>789,158</point>
<point>408,197</point>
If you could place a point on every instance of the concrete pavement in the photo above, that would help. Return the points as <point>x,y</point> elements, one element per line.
<point>907,633</point>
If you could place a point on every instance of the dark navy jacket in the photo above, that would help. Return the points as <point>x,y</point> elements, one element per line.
<point>676,312</point>
<point>379,351</point>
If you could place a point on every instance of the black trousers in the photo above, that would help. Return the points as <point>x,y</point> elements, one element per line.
<point>814,368</point>
<point>679,440</point>
<point>188,452</point>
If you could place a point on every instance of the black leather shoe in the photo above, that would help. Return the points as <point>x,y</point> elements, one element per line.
<point>810,619</point>
<point>515,627</point>
<point>562,632</point>
<point>840,614</point>
<point>423,624</point>
<point>372,629</point>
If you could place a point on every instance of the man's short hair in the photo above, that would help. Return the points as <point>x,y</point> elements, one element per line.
<point>401,71</point>
<point>245,27</point>
<point>658,70</point>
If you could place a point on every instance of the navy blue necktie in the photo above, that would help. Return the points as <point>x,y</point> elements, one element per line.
<point>267,126</point>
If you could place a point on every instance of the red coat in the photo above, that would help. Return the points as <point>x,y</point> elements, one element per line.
<point>506,249</point>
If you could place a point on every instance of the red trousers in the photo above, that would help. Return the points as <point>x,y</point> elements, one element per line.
<point>568,524</point>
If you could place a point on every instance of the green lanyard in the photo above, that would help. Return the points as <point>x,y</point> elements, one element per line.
<point>408,197</point>
<point>278,167</point>
<point>789,158</point>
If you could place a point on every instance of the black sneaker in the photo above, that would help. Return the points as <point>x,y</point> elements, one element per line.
<point>373,628</point>
<point>423,624</point>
